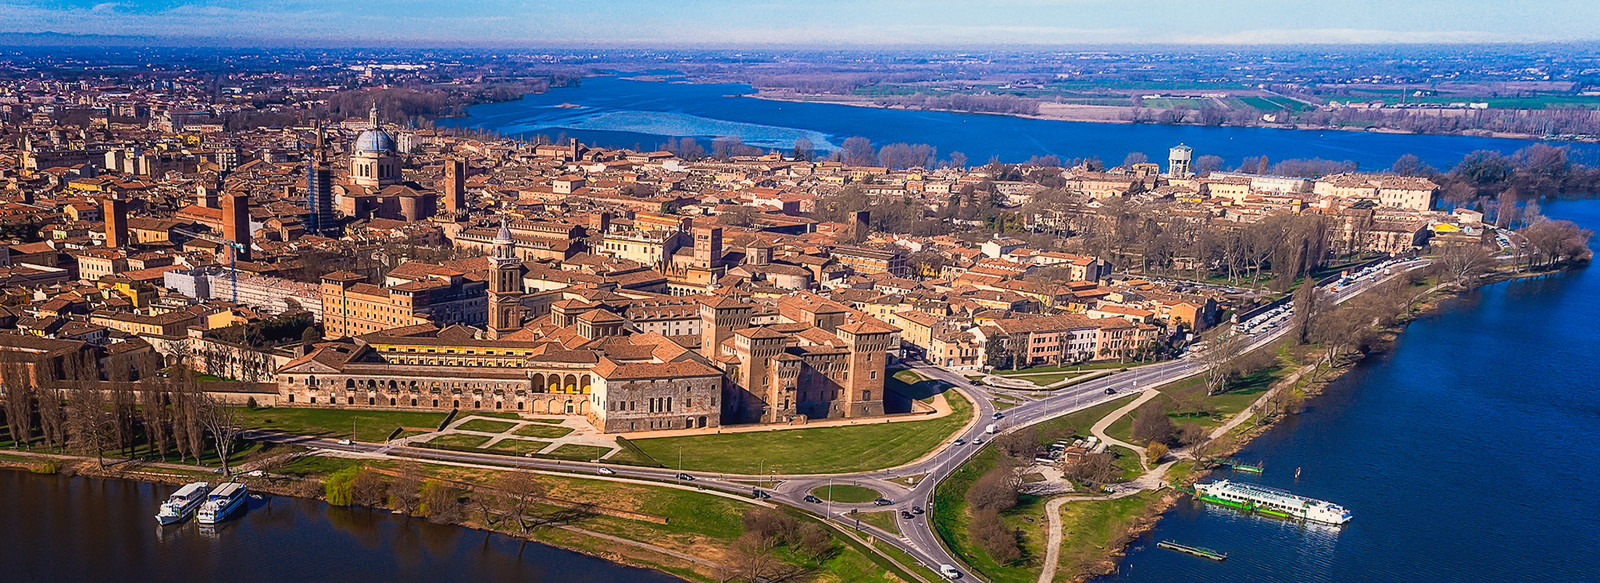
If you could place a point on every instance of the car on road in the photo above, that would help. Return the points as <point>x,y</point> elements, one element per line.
<point>959,441</point>
<point>905,515</point>
<point>685,477</point>
<point>883,502</point>
<point>998,415</point>
<point>916,510</point>
<point>977,441</point>
<point>760,494</point>
<point>344,442</point>
<point>606,471</point>
<point>813,499</point>
<point>949,571</point>
<point>1110,391</point>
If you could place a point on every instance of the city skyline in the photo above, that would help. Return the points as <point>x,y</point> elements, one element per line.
<point>885,23</point>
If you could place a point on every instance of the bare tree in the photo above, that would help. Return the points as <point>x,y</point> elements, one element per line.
<point>222,422</point>
<point>1465,262</point>
<point>17,382</point>
<point>519,491</point>
<point>405,491</point>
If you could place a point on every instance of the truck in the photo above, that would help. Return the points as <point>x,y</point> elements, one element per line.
<point>991,429</point>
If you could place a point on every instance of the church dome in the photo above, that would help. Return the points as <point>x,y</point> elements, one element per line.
<point>374,140</point>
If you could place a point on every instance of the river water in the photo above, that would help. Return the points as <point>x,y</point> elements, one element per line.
<point>1463,454</point>
<point>81,529</point>
<point>625,112</point>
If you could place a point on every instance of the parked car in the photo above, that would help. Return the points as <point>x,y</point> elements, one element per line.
<point>813,499</point>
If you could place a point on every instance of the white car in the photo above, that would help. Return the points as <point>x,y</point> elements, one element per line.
<point>344,442</point>
<point>949,571</point>
<point>606,471</point>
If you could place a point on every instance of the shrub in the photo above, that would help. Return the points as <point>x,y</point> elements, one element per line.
<point>996,490</point>
<point>337,487</point>
<point>994,538</point>
<point>1155,452</point>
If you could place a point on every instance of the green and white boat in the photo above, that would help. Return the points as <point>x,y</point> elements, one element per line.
<point>1271,501</point>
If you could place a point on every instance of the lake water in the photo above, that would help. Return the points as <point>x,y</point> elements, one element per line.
<point>623,112</point>
<point>1463,454</point>
<point>80,529</point>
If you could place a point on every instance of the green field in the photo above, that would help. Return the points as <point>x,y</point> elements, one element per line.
<point>888,521</point>
<point>823,450</point>
<point>846,494</point>
<point>370,426</point>
<point>577,453</point>
<point>459,441</point>
<point>519,446</point>
<point>1173,102</point>
<point>953,521</point>
<point>542,431</point>
<point>486,425</point>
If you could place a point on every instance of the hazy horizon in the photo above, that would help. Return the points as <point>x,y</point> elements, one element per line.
<point>819,24</point>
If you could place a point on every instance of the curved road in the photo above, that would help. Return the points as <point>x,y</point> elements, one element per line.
<point>918,539</point>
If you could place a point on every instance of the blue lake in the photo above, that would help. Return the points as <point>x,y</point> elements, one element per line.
<point>628,113</point>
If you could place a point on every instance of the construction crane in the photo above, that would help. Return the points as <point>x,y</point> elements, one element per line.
<point>234,248</point>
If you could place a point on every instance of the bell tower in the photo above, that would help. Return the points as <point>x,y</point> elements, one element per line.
<point>505,285</point>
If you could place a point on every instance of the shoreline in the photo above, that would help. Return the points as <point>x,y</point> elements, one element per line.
<point>1427,302</point>
<point>794,97</point>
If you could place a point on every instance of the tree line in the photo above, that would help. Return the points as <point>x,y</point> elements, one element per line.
<point>65,406</point>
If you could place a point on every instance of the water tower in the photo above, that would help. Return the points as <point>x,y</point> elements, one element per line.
<point>1179,161</point>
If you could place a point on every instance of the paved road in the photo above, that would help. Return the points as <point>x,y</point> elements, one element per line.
<point>918,538</point>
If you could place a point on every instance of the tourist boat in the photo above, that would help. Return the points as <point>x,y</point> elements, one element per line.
<point>1271,501</point>
<point>222,502</point>
<point>182,503</point>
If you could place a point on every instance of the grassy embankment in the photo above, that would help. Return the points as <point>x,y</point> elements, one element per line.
<point>822,450</point>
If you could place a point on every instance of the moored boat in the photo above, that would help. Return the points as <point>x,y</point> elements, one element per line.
<point>1271,501</point>
<point>182,503</point>
<point>222,502</point>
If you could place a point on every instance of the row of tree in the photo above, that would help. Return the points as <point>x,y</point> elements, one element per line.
<point>67,407</point>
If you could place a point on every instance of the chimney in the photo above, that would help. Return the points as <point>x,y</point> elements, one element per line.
<point>236,222</point>
<point>116,217</point>
<point>455,187</point>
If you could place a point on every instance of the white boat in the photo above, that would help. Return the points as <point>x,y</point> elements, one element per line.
<point>222,502</point>
<point>182,503</point>
<point>1271,501</point>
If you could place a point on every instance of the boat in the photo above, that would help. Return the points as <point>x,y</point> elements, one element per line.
<point>222,502</point>
<point>182,503</point>
<point>1239,466</point>
<point>1271,501</point>
<point>1196,551</point>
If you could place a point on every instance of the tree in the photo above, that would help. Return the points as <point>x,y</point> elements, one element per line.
<point>1155,451</point>
<point>223,423</point>
<point>1465,262</point>
<point>1135,158</point>
<point>405,492</point>
<point>1152,425</point>
<point>957,160</point>
<point>803,150</point>
<point>992,535</point>
<point>857,151</point>
<point>440,502</point>
<point>1217,360</point>
<point>16,385</point>
<point>519,491</point>
<point>995,490</point>
<point>1207,164</point>
<point>1411,165</point>
<point>753,558</point>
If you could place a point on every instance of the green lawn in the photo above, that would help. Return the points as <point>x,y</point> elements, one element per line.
<point>459,440</point>
<point>846,493</point>
<point>519,446</point>
<point>850,448</point>
<point>888,521</point>
<point>543,431</point>
<point>952,522</point>
<point>371,426</point>
<point>486,426</point>
<point>549,421</point>
<point>1092,523</point>
<point>577,453</point>
<point>497,415</point>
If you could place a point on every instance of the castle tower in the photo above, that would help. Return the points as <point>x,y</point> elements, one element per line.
<point>505,285</point>
<point>1180,162</point>
<point>869,346</point>
<point>319,192</point>
<point>719,317</point>
<point>707,247</point>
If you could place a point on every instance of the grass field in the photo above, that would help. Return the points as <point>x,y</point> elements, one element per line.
<point>846,494</point>
<point>542,431</point>
<point>371,426</point>
<point>953,521</point>
<point>459,440</point>
<point>577,453</point>
<point>486,425</point>
<point>519,446</point>
<point>888,521</point>
<point>850,448</point>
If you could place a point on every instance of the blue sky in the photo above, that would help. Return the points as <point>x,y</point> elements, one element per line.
<point>821,22</point>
